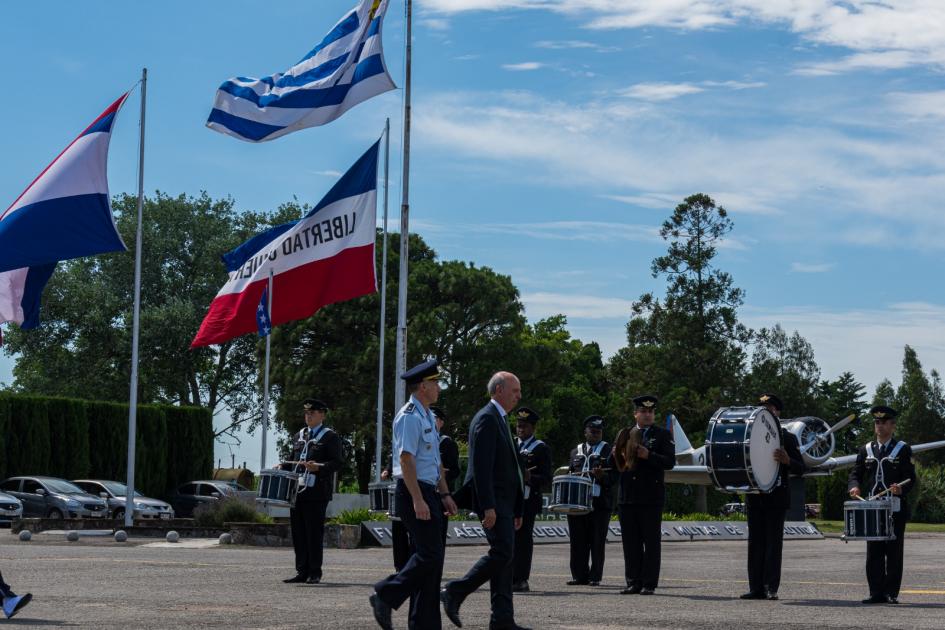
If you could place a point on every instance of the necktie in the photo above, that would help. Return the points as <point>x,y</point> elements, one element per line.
<point>508,434</point>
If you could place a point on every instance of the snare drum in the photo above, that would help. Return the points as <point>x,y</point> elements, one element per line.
<point>379,491</point>
<point>278,486</point>
<point>740,447</point>
<point>571,494</point>
<point>868,520</point>
<point>392,500</point>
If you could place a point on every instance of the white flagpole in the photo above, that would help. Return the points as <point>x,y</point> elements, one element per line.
<point>265,411</point>
<point>379,434</point>
<point>400,393</point>
<point>133,396</point>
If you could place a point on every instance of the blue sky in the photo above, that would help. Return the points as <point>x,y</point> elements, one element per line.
<point>552,137</point>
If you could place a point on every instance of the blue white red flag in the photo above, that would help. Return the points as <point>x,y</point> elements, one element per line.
<point>263,322</point>
<point>344,69</point>
<point>325,257</point>
<point>63,214</point>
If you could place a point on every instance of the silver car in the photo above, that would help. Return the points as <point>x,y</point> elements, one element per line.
<point>10,508</point>
<point>54,498</point>
<point>115,494</point>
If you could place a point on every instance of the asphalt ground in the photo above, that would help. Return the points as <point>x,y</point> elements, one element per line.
<point>97,583</point>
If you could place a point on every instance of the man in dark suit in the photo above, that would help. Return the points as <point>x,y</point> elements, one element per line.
<point>884,464</point>
<point>766,514</point>
<point>588,532</point>
<point>449,457</point>
<point>641,498</point>
<point>493,488</point>
<point>535,457</point>
<point>318,451</point>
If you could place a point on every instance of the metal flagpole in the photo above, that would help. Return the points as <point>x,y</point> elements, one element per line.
<point>380,361</point>
<point>399,391</point>
<point>133,397</point>
<point>265,414</point>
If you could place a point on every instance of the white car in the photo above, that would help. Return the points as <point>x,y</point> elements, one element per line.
<point>115,493</point>
<point>10,508</point>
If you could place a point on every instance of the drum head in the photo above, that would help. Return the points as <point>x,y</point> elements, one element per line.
<point>765,438</point>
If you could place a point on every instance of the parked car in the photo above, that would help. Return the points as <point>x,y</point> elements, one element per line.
<point>812,510</point>
<point>115,494</point>
<point>10,508</point>
<point>54,498</point>
<point>732,508</point>
<point>195,493</point>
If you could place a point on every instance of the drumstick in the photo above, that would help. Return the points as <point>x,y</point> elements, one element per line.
<point>900,484</point>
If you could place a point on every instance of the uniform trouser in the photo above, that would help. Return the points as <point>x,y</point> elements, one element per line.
<point>884,561</point>
<point>419,580</point>
<point>588,537</point>
<point>307,520</point>
<point>5,590</point>
<point>525,542</point>
<point>641,534</point>
<point>765,545</point>
<point>496,568</point>
<point>400,544</point>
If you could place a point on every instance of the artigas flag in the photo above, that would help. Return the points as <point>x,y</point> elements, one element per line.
<point>325,257</point>
<point>345,69</point>
<point>63,214</point>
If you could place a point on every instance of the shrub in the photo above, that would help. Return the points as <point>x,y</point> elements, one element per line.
<point>228,510</point>
<point>352,517</point>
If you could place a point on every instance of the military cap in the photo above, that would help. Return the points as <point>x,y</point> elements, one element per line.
<point>647,401</point>
<point>314,404</point>
<point>594,422</point>
<point>524,414</point>
<point>426,371</point>
<point>882,412</point>
<point>771,399</point>
<point>438,413</point>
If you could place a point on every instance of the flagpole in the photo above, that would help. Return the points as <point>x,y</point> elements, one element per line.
<point>265,411</point>
<point>133,396</point>
<point>399,392</point>
<point>379,433</point>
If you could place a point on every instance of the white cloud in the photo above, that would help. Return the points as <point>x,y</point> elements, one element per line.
<point>910,32</point>
<point>523,67</point>
<point>329,173</point>
<point>435,24</point>
<point>572,44</point>
<point>918,105</point>
<point>659,91</point>
<point>586,231</point>
<point>798,267</point>
<point>544,304</point>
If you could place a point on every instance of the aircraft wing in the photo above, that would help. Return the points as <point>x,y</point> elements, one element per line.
<point>694,475</point>
<point>846,461</point>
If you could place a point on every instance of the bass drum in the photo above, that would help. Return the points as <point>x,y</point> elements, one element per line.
<point>739,446</point>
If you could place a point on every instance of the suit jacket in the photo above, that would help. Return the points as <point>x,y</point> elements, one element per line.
<point>449,456</point>
<point>606,499</point>
<point>327,452</point>
<point>863,473</point>
<point>540,478</point>
<point>645,484</point>
<point>780,496</point>
<point>492,479</point>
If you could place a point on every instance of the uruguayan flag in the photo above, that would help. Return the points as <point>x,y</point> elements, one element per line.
<point>346,68</point>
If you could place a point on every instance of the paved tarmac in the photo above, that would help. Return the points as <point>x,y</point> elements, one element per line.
<point>96,583</point>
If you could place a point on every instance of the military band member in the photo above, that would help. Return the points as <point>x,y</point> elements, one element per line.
<point>536,464</point>
<point>318,451</point>
<point>422,497</point>
<point>885,463</point>
<point>449,456</point>
<point>589,531</point>
<point>641,497</point>
<point>766,514</point>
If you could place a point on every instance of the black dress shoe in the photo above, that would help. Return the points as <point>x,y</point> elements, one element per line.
<point>876,599</point>
<point>772,595</point>
<point>631,590</point>
<point>520,587</point>
<point>313,580</point>
<point>381,611</point>
<point>752,595</point>
<point>892,600</point>
<point>577,582</point>
<point>594,583</point>
<point>298,579</point>
<point>451,607</point>
<point>647,591</point>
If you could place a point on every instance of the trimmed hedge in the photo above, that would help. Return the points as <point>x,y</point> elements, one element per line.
<point>71,439</point>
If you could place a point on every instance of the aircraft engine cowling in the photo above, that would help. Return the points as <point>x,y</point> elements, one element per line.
<point>813,436</point>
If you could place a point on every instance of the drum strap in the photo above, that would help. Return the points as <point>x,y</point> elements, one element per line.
<point>880,473</point>
<point>307,479</point>
<point>529,446</point>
